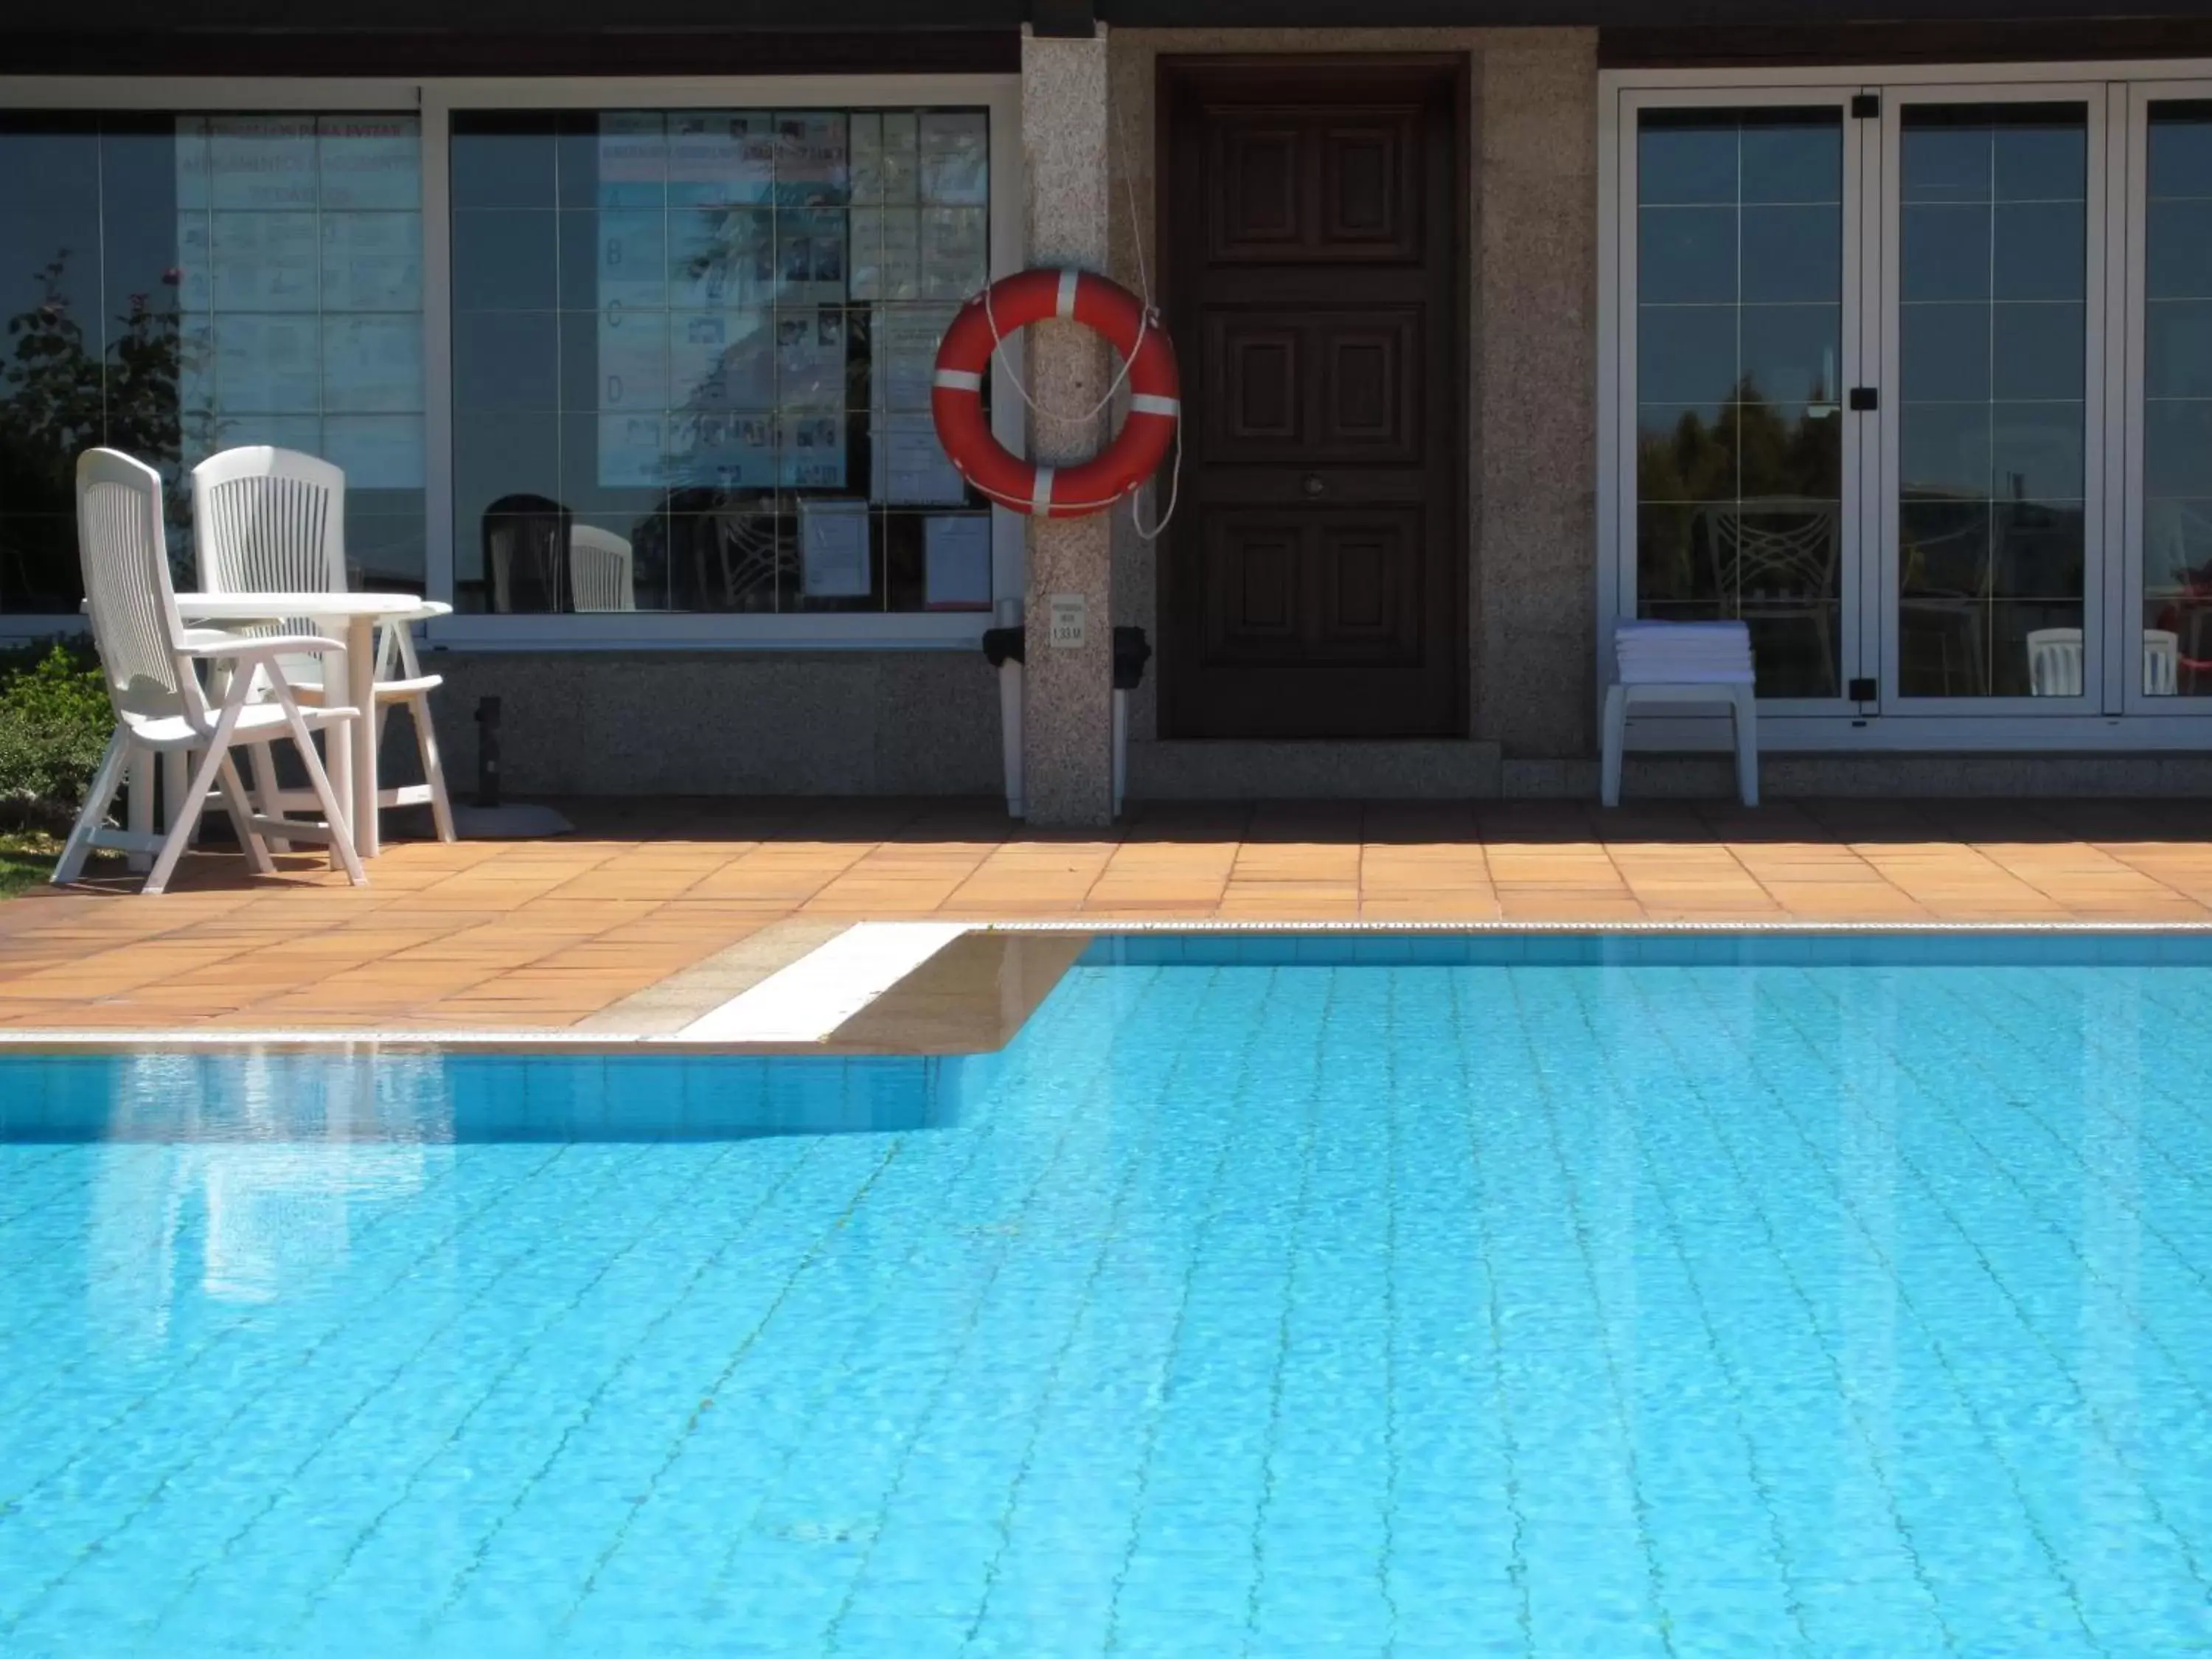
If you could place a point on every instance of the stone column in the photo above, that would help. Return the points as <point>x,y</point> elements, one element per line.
<point>1067,718</point>
<point>1535,284</point>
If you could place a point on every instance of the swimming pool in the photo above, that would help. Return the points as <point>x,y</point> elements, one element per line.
<point>1269,1296</point>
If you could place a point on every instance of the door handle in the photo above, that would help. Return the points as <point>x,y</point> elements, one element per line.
<point>1314,486</point>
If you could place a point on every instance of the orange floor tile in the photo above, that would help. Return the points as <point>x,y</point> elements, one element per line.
<point>550,934</point>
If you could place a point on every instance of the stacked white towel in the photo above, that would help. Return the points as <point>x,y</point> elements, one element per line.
<point>1683,653</point>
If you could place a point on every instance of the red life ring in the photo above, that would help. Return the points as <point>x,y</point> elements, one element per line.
<point>963,359</point>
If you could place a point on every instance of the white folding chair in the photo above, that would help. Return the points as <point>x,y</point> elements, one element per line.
<point>599,567</point>
<point>148,657</point>
<point>273,521</point>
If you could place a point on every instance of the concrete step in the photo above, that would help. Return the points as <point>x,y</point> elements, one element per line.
<point>1396,769</point>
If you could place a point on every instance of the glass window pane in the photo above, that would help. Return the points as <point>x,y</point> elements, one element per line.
<point>2176,597</point>
<point>1792,160</point>
<point>718,325</point>
<point>1739,465</point>
<point>2037,351</point>
<point>1991,434</point>
<point>1687,355</point>
<point>1943,353</point>
<point>1686,256</point>
<point>201,281</point>
<point>1792,253</point>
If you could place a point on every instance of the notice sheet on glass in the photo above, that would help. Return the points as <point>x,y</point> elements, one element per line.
<point>910,466</point>
<point>833,549</point>
<point>956,562</point>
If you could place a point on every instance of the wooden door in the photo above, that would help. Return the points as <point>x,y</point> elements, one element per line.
<point>1313,582</point>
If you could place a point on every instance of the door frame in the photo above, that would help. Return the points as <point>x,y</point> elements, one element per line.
<point>1171,73</point>
<point>2112,715</point>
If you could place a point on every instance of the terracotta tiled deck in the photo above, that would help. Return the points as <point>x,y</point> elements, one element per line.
<point>650,907</point>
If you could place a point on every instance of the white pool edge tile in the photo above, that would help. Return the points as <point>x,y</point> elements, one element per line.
<point>808,1001</point>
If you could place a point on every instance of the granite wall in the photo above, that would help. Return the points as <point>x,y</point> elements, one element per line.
<point>724,722</point>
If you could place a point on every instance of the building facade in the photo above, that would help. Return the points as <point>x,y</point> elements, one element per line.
<point>1891,335</point>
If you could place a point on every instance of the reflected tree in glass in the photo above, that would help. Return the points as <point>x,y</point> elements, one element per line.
<point>61,394</point>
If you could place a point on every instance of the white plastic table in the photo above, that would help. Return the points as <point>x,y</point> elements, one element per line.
<point>354,618</point>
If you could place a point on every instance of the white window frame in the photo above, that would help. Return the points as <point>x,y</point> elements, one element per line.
<point>2117,716</point>
<point>435,100</point>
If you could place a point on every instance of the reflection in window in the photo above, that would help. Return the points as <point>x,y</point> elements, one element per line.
<point>2177,465</point>
<point>178,284</point>
<point>692,358</point>
<point>1739,333</point>
<point>1990,440</point>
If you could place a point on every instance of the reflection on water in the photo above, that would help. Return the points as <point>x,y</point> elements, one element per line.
<point>270,1168</point>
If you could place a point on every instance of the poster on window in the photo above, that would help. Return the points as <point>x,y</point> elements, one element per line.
<point>956,158</point>
<point>195,263</point>
<point>371,262</point>
<point>899,164</point>
<point>632,258</point>
<point>811,159</point>
<point>265,261</point>
<point>267,365</point>
<point>812,450</point>
<point>261,161</point>
<point>907,463</point>
<point>633,449</point>
<point>708,160</point>
<point>634,359</point>
<point>369,161</point>
<point>910,466</point>
<point>372,363</point>
<point>905,340</point>
<point>954,253</point>
<point>698,360</point>
<point>810,351</point>
<point>633,159</point>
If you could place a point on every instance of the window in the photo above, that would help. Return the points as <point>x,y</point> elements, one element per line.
<point>175,284</point>
<point>1992,396</point>
<point>1739,414</point>
<point>2177,411</point>
<point>691,359</point>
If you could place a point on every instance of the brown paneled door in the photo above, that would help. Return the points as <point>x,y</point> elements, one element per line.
<point>1312,584</point>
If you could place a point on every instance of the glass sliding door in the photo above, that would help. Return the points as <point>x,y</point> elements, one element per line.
<point>1743,323</point>
<point>2172,509</point>
<point>1990,424</point>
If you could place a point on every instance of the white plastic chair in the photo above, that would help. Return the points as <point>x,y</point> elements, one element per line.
<point>273,521</point>
<point>2054,662</point>
<point>600,566</point>
<point>2161,662</point>
<point>148,657</point>
<point>1682,678</point>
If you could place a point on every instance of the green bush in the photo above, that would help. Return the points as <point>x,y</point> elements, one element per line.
<point>54,724</point>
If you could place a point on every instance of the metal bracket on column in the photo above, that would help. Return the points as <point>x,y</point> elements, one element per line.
<point>1063,20</point>
<point>1132,650</point>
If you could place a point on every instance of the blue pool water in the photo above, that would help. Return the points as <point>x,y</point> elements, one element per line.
<point>1266,1297</point>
